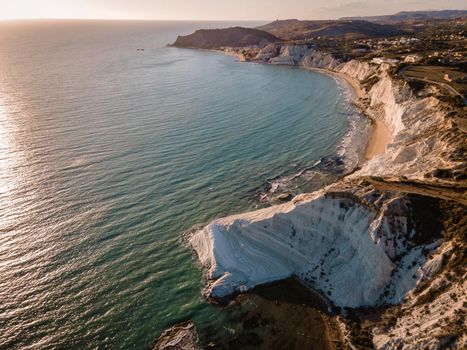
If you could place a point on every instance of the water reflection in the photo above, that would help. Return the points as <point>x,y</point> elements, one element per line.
<point>8,156</point>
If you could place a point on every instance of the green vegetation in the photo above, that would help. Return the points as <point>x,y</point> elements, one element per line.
<point>442,75</point>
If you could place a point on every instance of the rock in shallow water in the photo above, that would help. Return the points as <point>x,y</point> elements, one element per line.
<point>285,197</point>
<point>179,337</point>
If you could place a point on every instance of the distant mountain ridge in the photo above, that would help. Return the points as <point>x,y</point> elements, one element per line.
<point>294,29</point>
<point>411,15</point>
<point>233,37</point>
<point>351,28</point>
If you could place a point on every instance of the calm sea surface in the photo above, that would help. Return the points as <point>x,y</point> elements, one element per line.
<point>108,154</point>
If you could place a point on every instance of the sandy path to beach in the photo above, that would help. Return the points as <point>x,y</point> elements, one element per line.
<point>379,139</point>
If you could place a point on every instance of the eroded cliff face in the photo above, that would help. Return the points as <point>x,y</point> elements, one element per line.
<point>425,137</point>
<point>382,235</point>
<point>352,243</point>
<point>432,315</point>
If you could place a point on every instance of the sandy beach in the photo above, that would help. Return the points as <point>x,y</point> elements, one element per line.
<point>379,139</point>
<point>381,135</point>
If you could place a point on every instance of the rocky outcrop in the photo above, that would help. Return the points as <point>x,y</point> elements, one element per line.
<point>319,59</point>
<point>357,69</point>
<point>433,316</point>
<point>179,337</point>
<point>296,55</point>
<point>231,37</point>
<point>344,241</point>
<point>425,137</point>
<point>378,237</point>
<point>289,54</point>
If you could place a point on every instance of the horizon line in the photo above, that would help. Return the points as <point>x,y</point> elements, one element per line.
<point>130,19</point>
<point>202,20</point>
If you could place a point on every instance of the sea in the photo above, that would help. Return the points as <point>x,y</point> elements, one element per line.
<point>112,145</point>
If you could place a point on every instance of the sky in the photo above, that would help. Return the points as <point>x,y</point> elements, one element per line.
<point>214,9</point>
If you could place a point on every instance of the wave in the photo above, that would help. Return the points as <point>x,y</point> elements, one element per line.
<point>349,155</point>
<point>353,143</point>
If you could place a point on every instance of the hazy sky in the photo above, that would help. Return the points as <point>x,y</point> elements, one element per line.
<point>214,9</point>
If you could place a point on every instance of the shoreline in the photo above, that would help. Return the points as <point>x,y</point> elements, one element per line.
<point>380,135</point>
<point>372,250</point>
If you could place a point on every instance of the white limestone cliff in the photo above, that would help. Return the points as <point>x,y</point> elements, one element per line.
<point>341,246</point>
<point>351,241</point>
<point>289,55</point>
<point>318,59</point>
<point>357,69</point>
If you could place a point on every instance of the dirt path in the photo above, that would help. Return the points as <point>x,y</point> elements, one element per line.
<point>457,192</point>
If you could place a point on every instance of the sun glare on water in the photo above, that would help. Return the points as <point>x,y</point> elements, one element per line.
<point>7,154</point>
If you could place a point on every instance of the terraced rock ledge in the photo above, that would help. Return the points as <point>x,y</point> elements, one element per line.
<point>388,239</point>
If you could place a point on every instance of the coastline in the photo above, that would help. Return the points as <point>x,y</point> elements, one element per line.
<point>380,135</point>
<point>378,138</point>
<point>363,241</point>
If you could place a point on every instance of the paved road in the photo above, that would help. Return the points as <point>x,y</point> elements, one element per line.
<point>446,86</point>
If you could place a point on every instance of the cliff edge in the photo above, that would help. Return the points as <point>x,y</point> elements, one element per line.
<point>232,37</point>
<point>390,236</point>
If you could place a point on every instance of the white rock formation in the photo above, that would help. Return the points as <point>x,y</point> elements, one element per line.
<point>417,124</point>
<point>320,240</point>
<point>342,245</point>
<point>319,59</point>
<point>268,52</point>
<point>357,69</point>
<point>289,55</point>
<point>350,241</point>
<point>429,324</point>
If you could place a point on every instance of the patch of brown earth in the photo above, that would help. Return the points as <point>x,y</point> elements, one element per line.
<point>282,315</point>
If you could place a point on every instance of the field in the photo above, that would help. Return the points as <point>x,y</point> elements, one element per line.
<point>435,74</point>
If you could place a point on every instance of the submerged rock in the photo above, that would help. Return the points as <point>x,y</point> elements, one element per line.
<point>179,337</point>
<point>285,197</point>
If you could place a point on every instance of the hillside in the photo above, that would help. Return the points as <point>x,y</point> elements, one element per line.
<point>385,244</point>
<point>412,16</point>
<point>294,29</point>
<point>232,37</point>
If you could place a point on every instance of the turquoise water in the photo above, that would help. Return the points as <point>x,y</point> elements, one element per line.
<point>108,154</point>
